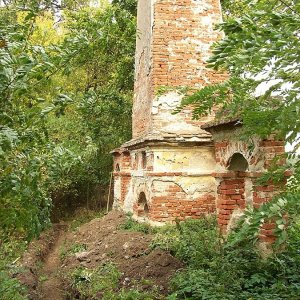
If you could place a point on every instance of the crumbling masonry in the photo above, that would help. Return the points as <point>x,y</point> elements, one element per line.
<point>176,167</point>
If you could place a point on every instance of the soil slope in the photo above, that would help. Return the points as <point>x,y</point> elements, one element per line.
<point>98,242</point>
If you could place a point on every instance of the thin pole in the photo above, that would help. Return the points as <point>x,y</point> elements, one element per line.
<point>109,192</point>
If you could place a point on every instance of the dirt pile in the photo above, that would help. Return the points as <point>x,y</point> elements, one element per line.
<point>130,251</point>
<point>51,259</point>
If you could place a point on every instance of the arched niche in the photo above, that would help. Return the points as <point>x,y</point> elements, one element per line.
<point>237,162</point>
<point>117,168</point>
<point>144,160</point>
<point>143,208</point>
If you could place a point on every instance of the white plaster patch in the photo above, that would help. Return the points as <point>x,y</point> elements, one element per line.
<point>206,21</point>
<point>117,193</point>
<point>193,61</point>
<point>168,100</point>
<point>196,187</point>
<point>179,128</point>
<point>128,202</point>
<point>190,160</point>
<point>249,191</point>
<point>167,123</point>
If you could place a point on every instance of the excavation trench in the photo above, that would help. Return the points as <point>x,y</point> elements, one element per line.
<point>50,286</point>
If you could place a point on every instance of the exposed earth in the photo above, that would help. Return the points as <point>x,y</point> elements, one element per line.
<point>60,251</point>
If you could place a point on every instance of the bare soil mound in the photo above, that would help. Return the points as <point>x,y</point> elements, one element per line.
<point>130,251</point>
<point>51,259</point>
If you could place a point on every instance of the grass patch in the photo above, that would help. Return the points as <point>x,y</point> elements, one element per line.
<point>90,282</point>
<point>83,216</point>
<point>103,283</point>
<point>71,250</point>
<point>10,251</point>
<point>131,225</point>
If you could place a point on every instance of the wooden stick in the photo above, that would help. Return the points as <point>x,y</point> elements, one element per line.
<point>109,191</point>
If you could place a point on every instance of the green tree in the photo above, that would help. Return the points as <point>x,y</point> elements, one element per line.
<point>97,56</point>
<point>64,104</point>
<point>25,148</point>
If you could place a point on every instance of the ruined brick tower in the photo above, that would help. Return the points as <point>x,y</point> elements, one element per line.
<point>176,167</point>
<point>164,172</point>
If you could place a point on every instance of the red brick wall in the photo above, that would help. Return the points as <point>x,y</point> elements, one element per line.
<point>173,46</point>
<point>181,40</point>
<point>124,161</point>
<point>125,182</point>
<point>174,203</point>
<point>231,193</point>
<point>231,196</point>
<point>172,207</point>
<point>272,148</point>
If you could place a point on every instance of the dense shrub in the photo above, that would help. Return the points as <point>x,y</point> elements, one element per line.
<point>10,287</point>
<point>219,269</point>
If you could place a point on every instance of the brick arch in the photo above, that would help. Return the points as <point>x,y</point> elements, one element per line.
<point>252,153</point>
<point>237,162</point>
<point>142,205</point>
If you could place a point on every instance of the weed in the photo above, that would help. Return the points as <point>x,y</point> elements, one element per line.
<point>84,216</point>
<point>132,225</point>
<point>10,287</point>
<point>102,283</point>
<point>43,278</point>
<point>71,250</point>
<point>133,294</point>
<point>218,270</point>
<point>166,238</point>
<point>90,282</point>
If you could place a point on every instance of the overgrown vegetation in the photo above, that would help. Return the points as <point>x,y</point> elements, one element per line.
<point>10,287</point>
<point>83,216</point>
<point>219,268</point>
<point>66,81</point>
<point>65,103</point>
<point>132,225</point>
<point>103,282</point>
<point>71,250</point>
<point>66,89</point>
<point>260,53</point>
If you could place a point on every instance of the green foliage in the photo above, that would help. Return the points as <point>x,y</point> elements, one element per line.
<point>135,294</point>
<point>26,154</point>
<point>84,216</point>
<point>97,56</point>
<point>129,5</point>
<point>259,51</point>
<point>132,225</point>
<point>166,238</point>
<point>253,218</point>
<point>10,287</point>
<point>71,250</point>
<point>64,104</point>
<point>218,269</point>
<point>103,282</point>
<point>89,282</point>
<point>191,240</point>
